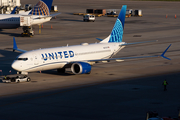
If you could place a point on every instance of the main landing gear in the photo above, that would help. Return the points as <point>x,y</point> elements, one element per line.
<point>27,31</point>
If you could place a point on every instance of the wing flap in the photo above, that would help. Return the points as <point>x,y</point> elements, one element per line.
<point>121,59</point>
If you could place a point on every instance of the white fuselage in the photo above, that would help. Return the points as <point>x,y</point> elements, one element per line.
<point>9,21</point>
<point>54,58</point>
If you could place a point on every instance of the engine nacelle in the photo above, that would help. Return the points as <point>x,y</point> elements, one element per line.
<point>81,68</point>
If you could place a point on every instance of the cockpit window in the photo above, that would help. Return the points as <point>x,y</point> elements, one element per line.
<point>22,59</point>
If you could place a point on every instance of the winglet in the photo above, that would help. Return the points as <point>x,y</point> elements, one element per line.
<point>53,15</point>
<point>14,44</point>
<point>162,55</point>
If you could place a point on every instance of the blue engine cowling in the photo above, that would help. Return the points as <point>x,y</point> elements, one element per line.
<point>81,68</point>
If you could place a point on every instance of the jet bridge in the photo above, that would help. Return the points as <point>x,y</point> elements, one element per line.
<point>26,22</point>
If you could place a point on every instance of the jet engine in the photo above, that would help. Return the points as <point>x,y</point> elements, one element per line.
<point>81,68</point>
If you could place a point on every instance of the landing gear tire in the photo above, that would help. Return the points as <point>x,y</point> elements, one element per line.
<point>27,31</point>
<point>30,35</point>
<point>28,80</point>
<point>18,81</point>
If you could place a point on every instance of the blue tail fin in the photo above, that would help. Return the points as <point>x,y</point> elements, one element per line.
<point>117,32</point>
<point>14,10</point>
<point>43,7</point>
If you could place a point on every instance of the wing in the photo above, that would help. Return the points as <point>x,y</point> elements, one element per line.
<point>138,43</point>
<point>124,58</point>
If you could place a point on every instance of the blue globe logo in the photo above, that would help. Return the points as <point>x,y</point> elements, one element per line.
<point>40,9</point>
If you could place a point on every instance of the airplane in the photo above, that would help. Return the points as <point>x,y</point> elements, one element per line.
<point>14,10</point>
<point>23,13</point>
<point>39,14</point>
<point>77,57</point>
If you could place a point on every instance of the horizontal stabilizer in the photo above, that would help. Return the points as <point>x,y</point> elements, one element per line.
<point>53,15</point>
<point>99,39</point>
<point>138,43</point>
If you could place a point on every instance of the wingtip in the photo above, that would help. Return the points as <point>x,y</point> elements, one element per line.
<point>162,55</point>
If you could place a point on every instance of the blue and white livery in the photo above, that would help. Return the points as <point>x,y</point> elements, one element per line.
<point>42,8</point>
<point>78,57</point>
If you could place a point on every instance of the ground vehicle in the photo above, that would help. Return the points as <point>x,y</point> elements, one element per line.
<point>152,115</point>
<point>28,32</point>
<point>111,12</point>
<point>16,79</point>
<point>89,17</point>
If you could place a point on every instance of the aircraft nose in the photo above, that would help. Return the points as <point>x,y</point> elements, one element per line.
<point>15,65</point>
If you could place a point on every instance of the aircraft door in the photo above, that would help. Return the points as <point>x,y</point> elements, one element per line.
<point>36,60</point>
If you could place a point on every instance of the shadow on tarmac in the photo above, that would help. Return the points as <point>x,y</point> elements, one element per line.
<point>6,59</point>
<point>118,100</point>
<point>54,72</point>
<point>10,34</point>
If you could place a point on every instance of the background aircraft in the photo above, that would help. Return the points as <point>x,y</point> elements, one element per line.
<point>38,15</point>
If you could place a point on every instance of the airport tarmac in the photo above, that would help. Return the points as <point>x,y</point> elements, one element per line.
<point>119,100</point>
<point>136,84</point>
